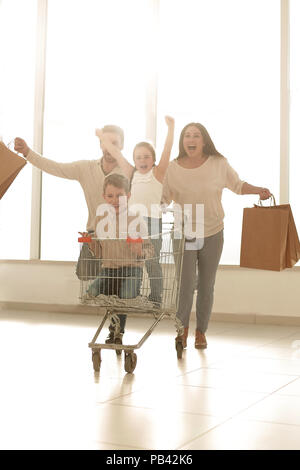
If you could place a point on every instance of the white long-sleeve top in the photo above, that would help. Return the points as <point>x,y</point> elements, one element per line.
<point>147,191</point>
<point>88,173</point>
<point>202,185</point>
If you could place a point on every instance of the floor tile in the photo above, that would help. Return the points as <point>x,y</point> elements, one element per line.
<point>292,341</point>
<point>197,400</point>
<point>242,391</point>
<point>292,388</point>
<point>244,380</point>
<point>276,366</point>
<point>238,434</point>
<point>150,429</point>
<point>273,352</point>
<point>280,409</point>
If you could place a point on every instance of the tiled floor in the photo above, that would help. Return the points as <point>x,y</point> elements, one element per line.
<point>243,392</point>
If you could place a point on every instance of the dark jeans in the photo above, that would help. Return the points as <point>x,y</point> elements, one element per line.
<point>124,282</point>
<point>153,266</point>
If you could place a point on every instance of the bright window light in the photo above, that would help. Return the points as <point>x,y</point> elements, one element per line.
<point>97,73</point>
<point>219,64</point>
<point>295,111</point>
<point>17,52</point>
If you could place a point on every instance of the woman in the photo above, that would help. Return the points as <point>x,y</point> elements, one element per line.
<point>198,176</point>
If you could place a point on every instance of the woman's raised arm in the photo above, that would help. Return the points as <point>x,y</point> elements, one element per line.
<point>161,168</point>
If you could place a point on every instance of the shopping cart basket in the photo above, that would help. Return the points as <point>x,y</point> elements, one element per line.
<point>120,275</point>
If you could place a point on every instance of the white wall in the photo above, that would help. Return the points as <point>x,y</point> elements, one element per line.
<point>38,281</point>
<point>240,294</point>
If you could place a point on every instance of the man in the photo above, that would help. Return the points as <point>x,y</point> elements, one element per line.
<point>89,173</point>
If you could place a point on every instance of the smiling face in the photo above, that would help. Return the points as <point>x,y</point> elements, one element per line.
<point>143,158</point>
<point>116,197</point>
<point>193,142</point>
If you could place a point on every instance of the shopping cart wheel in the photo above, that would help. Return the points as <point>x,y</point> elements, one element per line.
<point>118,341</point>
<point>130,361</point>
<point>179,348</point>
<point>96,358</point>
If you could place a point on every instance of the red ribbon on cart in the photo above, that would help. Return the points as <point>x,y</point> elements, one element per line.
<point>85,239</point>
<point>134,240</point>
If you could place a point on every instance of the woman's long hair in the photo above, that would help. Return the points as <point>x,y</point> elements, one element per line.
<point>209,147</point>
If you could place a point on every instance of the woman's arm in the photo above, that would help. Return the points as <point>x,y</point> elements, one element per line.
<point>125,166</point>
<point>264,193</point>
<point>235,184</point>
<point>161,168</point>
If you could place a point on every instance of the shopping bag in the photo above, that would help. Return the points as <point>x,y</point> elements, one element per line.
<point>269,238</point>
<point>292,254</point>
<point>88,265</point>
<point>10,165</point>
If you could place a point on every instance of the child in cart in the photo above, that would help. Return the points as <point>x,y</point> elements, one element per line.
<point>121,253</point>
<point>146,193</point>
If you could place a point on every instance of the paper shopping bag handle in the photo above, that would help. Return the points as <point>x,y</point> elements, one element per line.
<point>272,201</point>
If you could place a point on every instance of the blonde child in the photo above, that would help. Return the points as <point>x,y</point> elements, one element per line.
<point>121,259</point>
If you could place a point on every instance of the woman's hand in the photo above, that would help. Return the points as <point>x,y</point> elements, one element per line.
<point>21,146</point>
<point>99,133</point>
<point>170,121</point>
<point>264,193</point>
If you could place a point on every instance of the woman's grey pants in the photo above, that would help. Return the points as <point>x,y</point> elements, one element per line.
<point>207,259</point>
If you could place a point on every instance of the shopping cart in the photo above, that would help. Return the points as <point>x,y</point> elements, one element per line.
<point>120,276</point>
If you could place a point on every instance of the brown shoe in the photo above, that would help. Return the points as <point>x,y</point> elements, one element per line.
<point>183,337</point>
<point>200,340</point>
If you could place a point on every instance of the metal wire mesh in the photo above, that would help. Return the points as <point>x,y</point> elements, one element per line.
<point>132,275</point>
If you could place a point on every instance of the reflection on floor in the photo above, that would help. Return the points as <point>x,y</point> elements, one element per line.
<point>243,392</point>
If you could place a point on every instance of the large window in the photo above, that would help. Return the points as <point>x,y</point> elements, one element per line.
<point>17,52</point>
<point>96,74</point>
<point>295,111</point>
<point>219,64</point>
<point>130,63</point>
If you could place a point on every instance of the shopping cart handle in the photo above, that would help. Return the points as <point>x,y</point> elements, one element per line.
<point>85,239</point>
<point>134,240</point>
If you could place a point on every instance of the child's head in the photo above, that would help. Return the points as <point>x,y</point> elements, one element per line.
<point>116,186</point>
<point>144,157</point>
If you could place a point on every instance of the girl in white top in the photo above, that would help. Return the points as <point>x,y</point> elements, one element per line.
<point>146,192</point>
<point>198,176</point>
